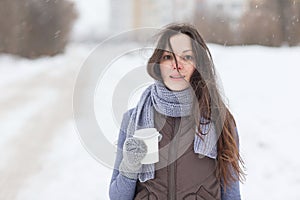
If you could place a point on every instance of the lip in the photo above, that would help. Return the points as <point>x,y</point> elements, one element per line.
<point>177,77</point>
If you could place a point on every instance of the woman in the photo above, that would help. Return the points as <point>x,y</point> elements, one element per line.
<point>198,150</point>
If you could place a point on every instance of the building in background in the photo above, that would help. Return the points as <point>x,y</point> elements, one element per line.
<point>132,14</point>
<point>121,15</point>
<point>183,11</point>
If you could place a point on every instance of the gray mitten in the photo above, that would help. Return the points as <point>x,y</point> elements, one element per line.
<point>134,150</point>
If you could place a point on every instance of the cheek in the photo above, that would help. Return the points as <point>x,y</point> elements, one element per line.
<point>190,72</point>
<point>163,70</point>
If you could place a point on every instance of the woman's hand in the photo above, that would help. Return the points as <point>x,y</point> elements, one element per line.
<point>134,150</point>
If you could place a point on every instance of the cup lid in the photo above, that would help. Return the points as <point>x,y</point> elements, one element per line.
<point>146,133</point>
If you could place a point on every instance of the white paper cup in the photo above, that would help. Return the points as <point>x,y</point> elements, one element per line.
<point>150,137</point>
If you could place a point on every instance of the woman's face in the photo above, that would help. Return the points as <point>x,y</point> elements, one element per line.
<point>174,79</point>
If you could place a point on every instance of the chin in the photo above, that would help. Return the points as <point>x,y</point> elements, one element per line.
<point>177,87</point>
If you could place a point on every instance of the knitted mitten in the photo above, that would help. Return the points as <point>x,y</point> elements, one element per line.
<point>134,150</point>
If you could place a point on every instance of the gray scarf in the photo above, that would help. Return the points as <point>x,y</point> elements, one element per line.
<point>173,104</point>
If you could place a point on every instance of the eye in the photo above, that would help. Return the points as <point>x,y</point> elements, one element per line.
<point>188,57</point>
<point>167,57</point>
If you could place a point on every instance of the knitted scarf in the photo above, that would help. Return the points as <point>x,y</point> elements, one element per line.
<point>173,104</point>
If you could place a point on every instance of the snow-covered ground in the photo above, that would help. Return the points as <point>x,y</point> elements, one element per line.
<point>41,156</point>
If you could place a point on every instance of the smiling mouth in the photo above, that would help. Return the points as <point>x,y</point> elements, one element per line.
<point>177,77</point>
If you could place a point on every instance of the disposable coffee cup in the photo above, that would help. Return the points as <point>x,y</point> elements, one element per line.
<point>150,137</point>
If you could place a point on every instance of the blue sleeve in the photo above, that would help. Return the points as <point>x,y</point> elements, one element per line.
<point>121,187</point>
<point>233,190</point>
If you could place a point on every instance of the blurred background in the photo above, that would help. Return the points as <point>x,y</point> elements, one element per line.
<point>32,28</point>
<point>44,44</point>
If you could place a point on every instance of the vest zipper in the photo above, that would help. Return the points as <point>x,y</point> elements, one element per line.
<point>172,166</point>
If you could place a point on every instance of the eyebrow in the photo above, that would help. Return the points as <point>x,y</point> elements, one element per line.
<point>186,50</point>
<point>182,52</point>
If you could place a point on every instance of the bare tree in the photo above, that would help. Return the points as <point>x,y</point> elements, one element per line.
<point>282,6</point>
<point>290,21</point>
<point>260,24</point>
<point>32,28</point>
<point>213,23</point>
<point>271,23</point>
<point>267,22</point>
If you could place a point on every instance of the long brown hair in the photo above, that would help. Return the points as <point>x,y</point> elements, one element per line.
<point>209,101</point>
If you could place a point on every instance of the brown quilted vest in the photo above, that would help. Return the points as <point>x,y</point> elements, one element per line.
<point>180,174</point>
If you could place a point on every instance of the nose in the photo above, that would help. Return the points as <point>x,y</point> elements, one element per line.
<point>180,63</point>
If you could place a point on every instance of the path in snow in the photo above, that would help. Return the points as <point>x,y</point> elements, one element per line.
<point>35,135</point>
